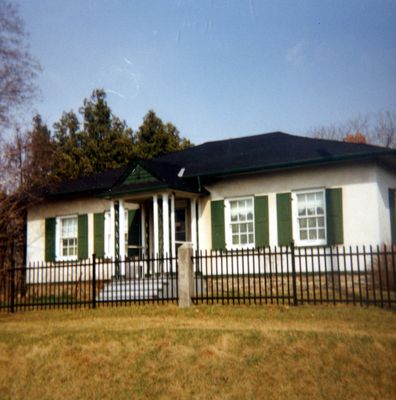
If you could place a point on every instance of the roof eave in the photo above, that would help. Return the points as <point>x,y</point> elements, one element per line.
<point>111,195</point>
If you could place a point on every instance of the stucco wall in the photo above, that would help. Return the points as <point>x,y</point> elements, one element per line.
<point>386,180</point>
<point>37,215</point>
<point>364,187</point>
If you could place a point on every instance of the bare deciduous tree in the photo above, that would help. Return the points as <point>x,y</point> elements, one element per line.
<point>18,69</point>
<point>378,129</point>
<point>27,162</point>
<point>385,130</point>
<point>330,132</point>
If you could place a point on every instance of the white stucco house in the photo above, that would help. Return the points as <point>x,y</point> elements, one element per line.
<point>257,191</point>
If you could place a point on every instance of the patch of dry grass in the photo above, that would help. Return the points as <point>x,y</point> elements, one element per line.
<point>204,352</point>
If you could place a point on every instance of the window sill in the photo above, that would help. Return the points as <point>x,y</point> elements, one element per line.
<point>310,244</point>
<point>63,259</point>
<point>242,247</point>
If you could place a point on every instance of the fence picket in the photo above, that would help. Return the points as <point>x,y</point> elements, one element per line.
<point>387,276</point>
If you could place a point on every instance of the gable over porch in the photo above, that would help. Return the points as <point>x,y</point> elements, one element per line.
<point>150,214</point>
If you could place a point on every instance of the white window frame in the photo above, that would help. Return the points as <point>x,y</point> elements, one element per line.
<point>228,223</point>
<point>58,238</point>
<point>295,218</point>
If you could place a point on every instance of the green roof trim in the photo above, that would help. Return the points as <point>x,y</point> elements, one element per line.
<point>120,191</point>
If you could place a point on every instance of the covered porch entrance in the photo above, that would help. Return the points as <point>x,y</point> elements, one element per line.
<point>152,227</point>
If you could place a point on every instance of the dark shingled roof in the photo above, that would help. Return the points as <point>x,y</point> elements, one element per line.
<point>86,185</point>
<point>266,151</point>
<point>247,154</point>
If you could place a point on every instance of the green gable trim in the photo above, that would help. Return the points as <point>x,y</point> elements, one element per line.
<point>134,232</point>
<point>82,237</point>
<point>99,235</point>
<point>218,227</point>
<point>284,217</point>
<point>261,221</point>
<point>392,211</point>
<point>50,227</point>
<point>139,175</point>
<point>334,216</point>
<point>148,189</point>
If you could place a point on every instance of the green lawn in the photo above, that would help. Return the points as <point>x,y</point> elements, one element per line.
<point>205,352</point>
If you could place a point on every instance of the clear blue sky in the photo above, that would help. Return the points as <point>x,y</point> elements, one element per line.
<point>217,69</point>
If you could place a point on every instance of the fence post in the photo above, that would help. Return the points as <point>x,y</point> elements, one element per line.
<point>293,259</point>
<point>94,280</point>
<point>185,275</point>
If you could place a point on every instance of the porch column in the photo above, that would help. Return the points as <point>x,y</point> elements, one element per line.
<point>194,224</point>
<point>117,271</point>
<point>155,225</point>
<point>172,224</point>
<point>143,228</point>
<point>112,231</point>
<point>165,223</point>
<point>121,235</point>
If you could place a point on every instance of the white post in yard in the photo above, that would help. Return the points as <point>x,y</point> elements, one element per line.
<point>185,275</point>
<point>155,228</point>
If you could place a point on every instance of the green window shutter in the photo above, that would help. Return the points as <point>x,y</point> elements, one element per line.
<point>261,225</point>
<point>50,227</point>
<point>134,232</point>
<point>99,235</point>
<point>334,216</point>
<point>82,237</point>
<point>284,216</point>
<point>392,210</point>
<point>218,228</point>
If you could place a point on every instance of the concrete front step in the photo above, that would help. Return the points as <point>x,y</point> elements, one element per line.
<point>127,296</point>
<point>139,289</point>
<point>137,284</point>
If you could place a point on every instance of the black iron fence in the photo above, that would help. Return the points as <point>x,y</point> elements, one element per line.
<point>283,275</point>
<point>89,283</point>
<point>292,275</point>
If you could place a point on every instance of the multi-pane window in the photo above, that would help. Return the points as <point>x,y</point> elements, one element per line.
<point>68,237</point>
<point>241,223</point>
<point>311,216</point>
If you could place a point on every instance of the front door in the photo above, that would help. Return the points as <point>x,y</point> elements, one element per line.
<point>180,225</point>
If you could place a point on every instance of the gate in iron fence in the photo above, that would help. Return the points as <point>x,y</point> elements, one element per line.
<point>90,283</point>
<point>290,275</point>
